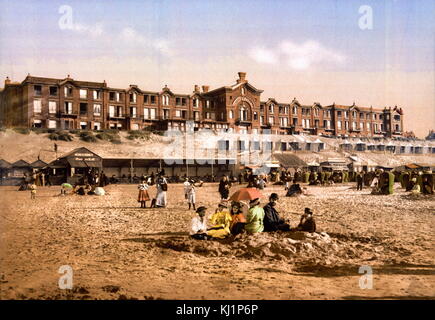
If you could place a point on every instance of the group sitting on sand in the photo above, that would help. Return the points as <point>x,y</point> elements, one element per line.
<point>226,222</point>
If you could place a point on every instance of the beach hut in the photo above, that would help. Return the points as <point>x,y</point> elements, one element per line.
<point>318,145</point>
<point>390,146</point>
<point>346,145</point>
<point>5,171</point>
<point>360,145</point>
<point>288,160</point>
<point>380,146</point>
<point>38,165</point>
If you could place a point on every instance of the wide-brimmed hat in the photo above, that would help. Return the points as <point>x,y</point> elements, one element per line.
<point>254,201</point>
<point>223,204</point>
<point>274,196</point>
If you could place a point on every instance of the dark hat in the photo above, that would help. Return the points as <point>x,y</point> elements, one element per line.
<point>201,209</point>
<point>273,196</point>
<point>236,204</point>
<point>257,200</point>
<point>307,210</point>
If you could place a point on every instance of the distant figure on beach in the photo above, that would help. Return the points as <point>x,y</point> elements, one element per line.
<point>359,181</point>
<point>294,190</point>
<point>186,185</point>
<point>191,194</point>
<point>162,187</point>
<point>272,220</point>
<point>198,225</point>
<point>224,188</point>
<point>143,196</point>
<point>238,218</point>
<point>307,222</point>
<point>254,221</point>
<point>32,189</point>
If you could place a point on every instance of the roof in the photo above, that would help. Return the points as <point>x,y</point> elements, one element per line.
<point>4,164</point>
<point>20,164</point>
<point>38,164</point>
<point>289,160</point>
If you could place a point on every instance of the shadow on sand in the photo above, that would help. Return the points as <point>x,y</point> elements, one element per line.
<point>352,270</point>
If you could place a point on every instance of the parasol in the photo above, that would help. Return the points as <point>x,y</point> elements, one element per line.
<point>67,185</point>
<point>246,194</point>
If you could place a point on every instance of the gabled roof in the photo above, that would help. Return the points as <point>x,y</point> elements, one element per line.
<point>20,164</point>
<point>79,150</point>
<point>167,90</point>
<point>38,164</point>
<point>4,164</point>
<point>272,100</point>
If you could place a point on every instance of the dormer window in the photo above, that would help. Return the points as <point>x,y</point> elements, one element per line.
<point>271,108</point>
<point>133,97</point>
<point>165,100</point>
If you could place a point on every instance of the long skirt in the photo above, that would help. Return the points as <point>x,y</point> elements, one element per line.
<point>143,196</point>
<point>161,199</point>
<point>191,198</point>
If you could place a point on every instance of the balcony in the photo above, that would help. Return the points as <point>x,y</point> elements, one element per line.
<point>115,117</point>
<point>243,122</point>
<point>64,114</point>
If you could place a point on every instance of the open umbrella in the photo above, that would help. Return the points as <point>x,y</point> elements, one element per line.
<point>99,191</point>
<point>246,194</point>
<point>67,185</point>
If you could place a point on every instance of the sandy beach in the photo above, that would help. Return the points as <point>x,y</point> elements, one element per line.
<point>120,251</point>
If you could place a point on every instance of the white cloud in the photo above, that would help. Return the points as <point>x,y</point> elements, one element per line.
<point>297,56</point>
<point>134,38</point>
<point>93,30</point>
<point>263,55</point>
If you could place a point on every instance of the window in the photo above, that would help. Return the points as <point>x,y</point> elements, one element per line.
<point>354,114</point>
<point>52,124</point>
<point>52,106</point>
<point>374,116</point>
<point>242,145</point>
<point>53,91</point>
<point>338,113</point>
<point>339,125</point>
<point>133,112</point>
<point>183,101</point>
<point>83,93</point>
<point>231,114</point>
<point>295,121</point>
<point>178,101</point>
<point>295,110</point>
<point>37,90</point>
<point>152,114</point>
<point>224,145</point>
<point>97,126</point>
<point>361,125</point>
<point>261,108</point>
<point>83,125</point>
<point>272,120</point>
<point>397,128</point>
<point>361,115</point>
<point>271,108</point>
<point>183,114</point>
<point>83,108</point>
<point>207,103</point>
<point>369,127</point>
<point>316,123</point>
<point>243,91</point>
<point>153,99</point>
<point>68,107</point>
<point>68,91</point>
<point>346,125</point>
<point>111,111</point>
<point>118,96</point>
<point>37,106</point>
<point>133,97</point>
<point>119,109</point>
<point>316,112</point>
<point>396,117</point>
<point>261,120</point>
<point>346,114</point>
<point>146,113</point>
<point>243,114</point>
<point>196,115</point>
<point>178,113</point>
<point>97,109</point>
<point>97,94</point>
<point>146,99</point>
<point>255,116</point>
<point>196,103</point>
<point>283,122</point>
<point>165,100</point>
<point>165,113</point>
<point>112,96</point>
<point>353,125</point>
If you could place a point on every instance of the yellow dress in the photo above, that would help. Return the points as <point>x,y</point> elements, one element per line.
<point>221,221</point>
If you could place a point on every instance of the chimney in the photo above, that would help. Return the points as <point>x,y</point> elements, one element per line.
<point>205,88</point>
<point>196,88</point>
<point>242,77</point>
<point>7,81</point>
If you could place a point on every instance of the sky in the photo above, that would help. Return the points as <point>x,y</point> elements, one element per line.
<point>374,53</point>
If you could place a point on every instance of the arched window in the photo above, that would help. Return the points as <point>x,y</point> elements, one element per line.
<point>243,113</point>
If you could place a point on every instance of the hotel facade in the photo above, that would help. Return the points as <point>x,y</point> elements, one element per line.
<point>71,104</point>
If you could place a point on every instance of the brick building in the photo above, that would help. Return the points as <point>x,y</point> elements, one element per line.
<point>71,104</point>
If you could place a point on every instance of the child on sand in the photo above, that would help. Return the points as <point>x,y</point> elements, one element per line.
<point>32,188</point>
<point>143,196</point>
<point>307,222</point>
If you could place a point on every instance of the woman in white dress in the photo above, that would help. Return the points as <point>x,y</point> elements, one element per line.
<point>162,187</point>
